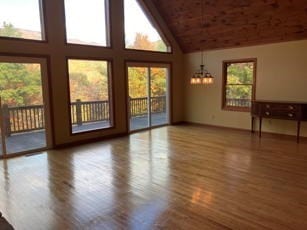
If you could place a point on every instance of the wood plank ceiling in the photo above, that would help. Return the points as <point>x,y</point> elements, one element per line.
<point>233,23</point>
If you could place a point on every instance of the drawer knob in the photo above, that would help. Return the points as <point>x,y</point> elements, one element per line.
<point>290,114</point>
<point>267,113</point>
<point>291,107</point>
<point>267,106</point>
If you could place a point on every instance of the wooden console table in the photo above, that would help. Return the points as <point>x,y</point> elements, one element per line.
<point>296,111</point>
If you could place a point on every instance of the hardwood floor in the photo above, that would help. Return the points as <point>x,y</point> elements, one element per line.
<point>180,177</point>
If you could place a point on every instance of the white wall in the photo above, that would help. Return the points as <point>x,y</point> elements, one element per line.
<point>281,75</point>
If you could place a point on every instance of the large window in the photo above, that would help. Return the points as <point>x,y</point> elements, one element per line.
<point>239,79</point>
<point>90,102</point>
<point>24,105</point>
<point>141,33</point>
<point>22,19</point>
<point>87,22</point>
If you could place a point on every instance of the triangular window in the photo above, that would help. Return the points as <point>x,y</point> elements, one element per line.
<point>141,33</point>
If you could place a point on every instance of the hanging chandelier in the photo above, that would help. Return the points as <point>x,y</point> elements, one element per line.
<point>202,76</point>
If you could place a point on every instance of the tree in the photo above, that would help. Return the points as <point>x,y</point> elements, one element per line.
<point>8,30</point>
<point>142,42</point>
<point>138,81</point>
<point>88,80</point>
<point>20,84</point>
<point>239,80</point>
<point>158,82</point>
<point>160,46</point>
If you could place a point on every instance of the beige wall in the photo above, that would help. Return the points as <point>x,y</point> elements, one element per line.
<point>281,75</point>
<point>58,51</point>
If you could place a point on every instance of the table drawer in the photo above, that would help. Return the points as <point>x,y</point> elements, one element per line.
<point>286,107</point>
<point>282,114</point>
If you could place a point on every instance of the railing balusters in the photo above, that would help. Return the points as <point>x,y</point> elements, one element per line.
<point>24,117</point>
<point>238,102</point>
<point>29,118</point>
<point>18,111</point>
<point>43,115</point>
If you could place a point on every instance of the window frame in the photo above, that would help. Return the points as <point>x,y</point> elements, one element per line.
<point>44,62</point>
<point>43,19</point>
<point>224,84</point>
<point>148,13</point>
<point>110,94</point>
<point>107,26</point>
<point>150,64</point>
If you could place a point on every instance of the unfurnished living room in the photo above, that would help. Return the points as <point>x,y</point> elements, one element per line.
<point>152,114</point>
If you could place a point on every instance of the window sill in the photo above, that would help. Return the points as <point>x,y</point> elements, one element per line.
<point>236,109</point>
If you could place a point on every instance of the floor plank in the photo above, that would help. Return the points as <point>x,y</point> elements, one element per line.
<point>177,177</point>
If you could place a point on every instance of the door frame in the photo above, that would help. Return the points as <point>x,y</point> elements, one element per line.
<point>148,64</point>
<point>43,60</point>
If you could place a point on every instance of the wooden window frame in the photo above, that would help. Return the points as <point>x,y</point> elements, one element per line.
<point>42,18</point>
<point>107,27</point>
<point>110,94</point>
<point>148,13</point>
<point>224,84</point>
<point>150,64</point>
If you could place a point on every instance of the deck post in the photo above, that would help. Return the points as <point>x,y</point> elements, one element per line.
<point>78,112</point>
<point>6,120</point>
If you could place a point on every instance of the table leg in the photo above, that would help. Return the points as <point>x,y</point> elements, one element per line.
<point>260,124</point>
<point>253,120</point>
<point>298,131</point>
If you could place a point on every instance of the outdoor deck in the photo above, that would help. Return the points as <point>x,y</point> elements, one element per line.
<point>36,139</point>
<point>141,122</point>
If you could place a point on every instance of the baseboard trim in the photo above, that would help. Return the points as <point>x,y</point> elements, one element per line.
<point>178,122</point>
<point>214,126</point>
<point>265,133</point>
<point>88,141</point>
<point>91,140</point>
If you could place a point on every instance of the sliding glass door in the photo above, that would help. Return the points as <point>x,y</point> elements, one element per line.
<point>159,95</point>
<point>24,112</point>
<point>148,95</point>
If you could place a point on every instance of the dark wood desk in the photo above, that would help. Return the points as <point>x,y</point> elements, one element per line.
<point>284,110</point>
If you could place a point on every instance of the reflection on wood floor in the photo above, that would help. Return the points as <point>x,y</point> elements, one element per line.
<point>180,177</point>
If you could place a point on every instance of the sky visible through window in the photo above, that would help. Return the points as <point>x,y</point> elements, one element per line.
<point>136,22</point>
<point>21,13</point>
<point>85,21</point>
<point>24,14</point>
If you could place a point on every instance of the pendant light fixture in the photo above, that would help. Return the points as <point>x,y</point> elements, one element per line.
<point>202,76</point>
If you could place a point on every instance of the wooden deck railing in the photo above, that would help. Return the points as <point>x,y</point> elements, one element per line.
<point>23,118</point>
<point>89,111</point>
<point>139,106</point>
<point>238,102</point>
<point>29,118</point>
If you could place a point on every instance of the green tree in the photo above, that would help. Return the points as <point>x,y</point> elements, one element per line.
<point>158,82</point>
<point>137,82</point>
<point>8,30</point>
<point>138,77</point>
<point>88,80</point>
<point>239,80</point>
<point>20,84</point>
<point>160,46</point>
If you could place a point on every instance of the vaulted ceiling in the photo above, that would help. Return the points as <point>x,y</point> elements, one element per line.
<point>233,23</point>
